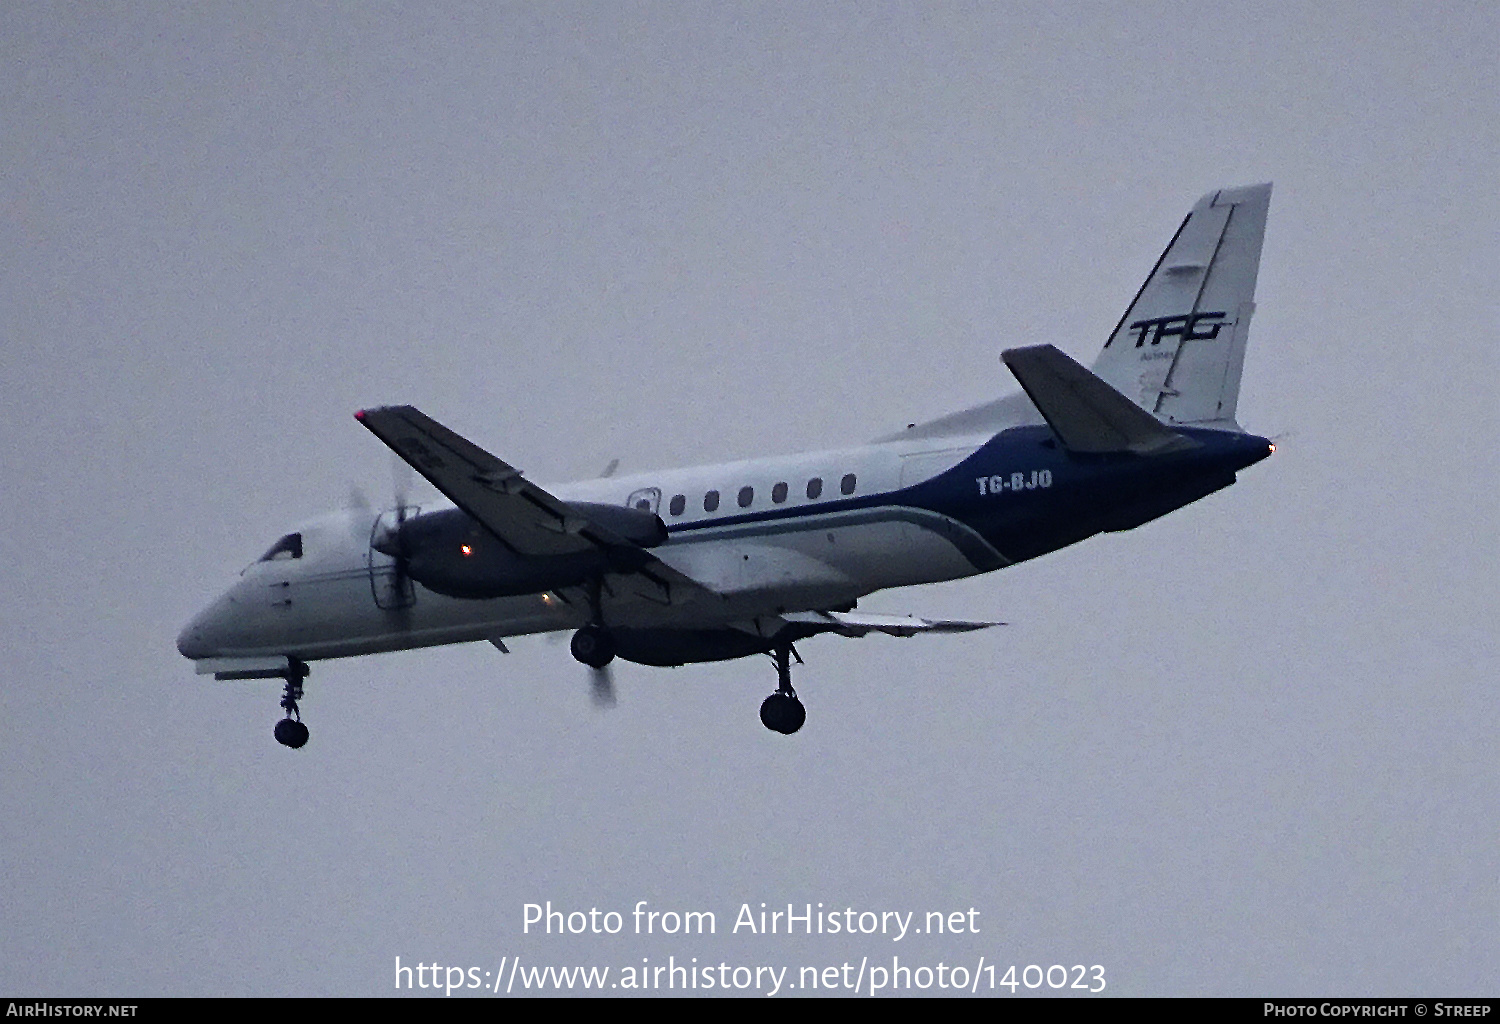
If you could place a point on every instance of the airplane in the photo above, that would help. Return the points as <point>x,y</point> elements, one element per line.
<point>746,558</point>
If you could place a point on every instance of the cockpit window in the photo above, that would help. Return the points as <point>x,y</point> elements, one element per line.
<point>289,546</point>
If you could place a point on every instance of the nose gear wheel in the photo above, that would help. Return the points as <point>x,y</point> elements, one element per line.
<point>290,732</point>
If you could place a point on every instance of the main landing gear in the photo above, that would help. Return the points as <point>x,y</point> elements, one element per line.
<point>290,732</point>
<point>592,644</point>
<point>782,712</point>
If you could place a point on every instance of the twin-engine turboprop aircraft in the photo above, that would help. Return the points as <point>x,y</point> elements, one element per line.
<point>743,558</point>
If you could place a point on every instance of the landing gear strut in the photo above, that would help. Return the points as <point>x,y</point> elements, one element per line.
<point>782,712</point>
<point>290,732</point>
<point>592,644</point>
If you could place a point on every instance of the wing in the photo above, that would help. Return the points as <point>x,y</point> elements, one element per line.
<point>521,515</point>
<point>862,624</point>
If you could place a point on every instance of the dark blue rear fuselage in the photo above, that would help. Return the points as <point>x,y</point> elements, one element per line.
<point>1026,495</point>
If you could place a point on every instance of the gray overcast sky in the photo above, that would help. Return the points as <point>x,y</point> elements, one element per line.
<point>1247,749</point>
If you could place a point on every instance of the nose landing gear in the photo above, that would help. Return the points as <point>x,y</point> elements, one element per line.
<point>290,732</point>
<point>782,712</point>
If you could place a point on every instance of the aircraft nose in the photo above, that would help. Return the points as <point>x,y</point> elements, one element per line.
<point>198,637</point>
<point>190,642</point>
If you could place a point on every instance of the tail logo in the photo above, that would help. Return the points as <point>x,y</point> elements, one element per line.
<point>1189,327</point>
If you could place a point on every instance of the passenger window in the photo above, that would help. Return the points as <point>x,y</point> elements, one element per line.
<point>846,485</point>
<point>711,501</point>
<point>815,488</point>
<point>289,546</point>
<point>679,502</point>
<point>747,495</point>
<point>778,493</point>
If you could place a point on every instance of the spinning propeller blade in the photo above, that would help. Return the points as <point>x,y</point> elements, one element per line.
<point>602,687</point>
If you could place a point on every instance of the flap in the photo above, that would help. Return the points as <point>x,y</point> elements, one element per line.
<point>862,623</point>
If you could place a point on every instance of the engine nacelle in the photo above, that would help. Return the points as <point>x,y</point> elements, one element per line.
<point>642,528</point>
<point>449,553</point>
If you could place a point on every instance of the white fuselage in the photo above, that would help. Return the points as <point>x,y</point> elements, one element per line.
<point>328,602</point>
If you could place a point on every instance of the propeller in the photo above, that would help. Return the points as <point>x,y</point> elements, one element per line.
<point>361,515</point>
<point>602,687</point>
<point>402,476</point>
<point>601,680</point>
<point>388,539</point>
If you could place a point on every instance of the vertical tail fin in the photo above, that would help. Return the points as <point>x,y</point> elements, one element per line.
<point>1180,347</point>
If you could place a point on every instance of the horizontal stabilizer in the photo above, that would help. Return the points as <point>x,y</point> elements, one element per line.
<point>1087,414</point>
